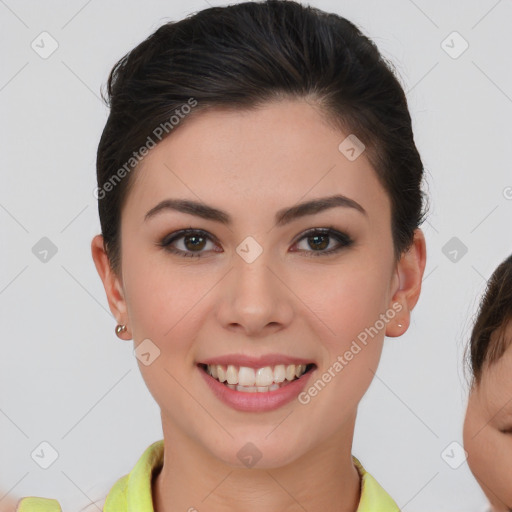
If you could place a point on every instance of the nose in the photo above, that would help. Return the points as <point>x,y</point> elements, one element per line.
<point>255,298</point>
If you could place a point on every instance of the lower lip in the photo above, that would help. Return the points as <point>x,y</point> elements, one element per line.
<point>258,401</point>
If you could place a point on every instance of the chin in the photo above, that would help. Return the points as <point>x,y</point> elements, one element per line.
<point>256,452</point>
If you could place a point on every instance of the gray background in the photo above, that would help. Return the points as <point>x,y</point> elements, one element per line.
<point>64,376</point>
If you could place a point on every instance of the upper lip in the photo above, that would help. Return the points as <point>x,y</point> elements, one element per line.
<point>255,362</point>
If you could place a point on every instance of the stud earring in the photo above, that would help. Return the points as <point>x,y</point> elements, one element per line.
<point>119,329</point>
<point>399,325</point>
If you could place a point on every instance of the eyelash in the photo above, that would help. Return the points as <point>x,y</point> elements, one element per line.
<point>343,239</point>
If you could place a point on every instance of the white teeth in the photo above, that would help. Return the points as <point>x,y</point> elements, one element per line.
<point>221,373</point>
<point>232,375</point>
<point>264,376</point>
<point>290,372</point>
<point>246,376</point>
<point>279,373</point>
<point>246,389</point>
<point>255,389</point>
<point>255,380</point>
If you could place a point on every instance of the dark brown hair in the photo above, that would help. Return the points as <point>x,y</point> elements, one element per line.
<point>242,56</point>
<point>488,338</point>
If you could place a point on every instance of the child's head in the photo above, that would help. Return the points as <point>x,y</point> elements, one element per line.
<point>488,423</point>
<point>273,220</point>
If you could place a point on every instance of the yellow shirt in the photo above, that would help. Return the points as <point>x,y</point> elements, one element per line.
<point>132,492</point>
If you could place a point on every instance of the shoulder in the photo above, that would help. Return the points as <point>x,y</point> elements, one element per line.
<point>114,500</point>
<point>36,504</point>
<point>373,497</point>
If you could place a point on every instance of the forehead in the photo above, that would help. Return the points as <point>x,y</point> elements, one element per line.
<point>280,153</point>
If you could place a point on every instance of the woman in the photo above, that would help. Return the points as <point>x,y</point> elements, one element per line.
<point>260,199</point>
<point>488,421</point>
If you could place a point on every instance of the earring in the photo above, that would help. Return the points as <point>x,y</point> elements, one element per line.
<point>399,325</point>
<point>119,329</point>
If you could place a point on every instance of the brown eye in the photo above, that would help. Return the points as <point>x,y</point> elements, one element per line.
<point>192,242</point>
<point>320,239</point>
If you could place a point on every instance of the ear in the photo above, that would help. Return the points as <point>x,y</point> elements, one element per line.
<point>112,284</point>
<point>409,276</point>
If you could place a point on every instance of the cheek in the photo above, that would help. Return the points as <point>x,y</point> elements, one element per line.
<point>350,299</point>
<point>351,303</point>
<point>163,303</point>
<point>161,297</point>
<point>492,467</point>
<point>489,458</point>
<point>164,306</point>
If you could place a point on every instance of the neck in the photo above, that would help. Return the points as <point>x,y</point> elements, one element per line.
<point>323,479</point>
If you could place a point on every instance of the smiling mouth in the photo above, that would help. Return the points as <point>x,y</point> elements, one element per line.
<point>256,380</point>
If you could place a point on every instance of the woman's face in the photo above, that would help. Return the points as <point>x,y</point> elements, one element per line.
<point>488,431</point>
<point>255,286</point>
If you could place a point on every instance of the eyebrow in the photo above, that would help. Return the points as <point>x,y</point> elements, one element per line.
<point>282,217</point>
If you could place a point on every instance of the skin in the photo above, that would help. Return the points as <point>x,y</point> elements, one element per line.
<point>7,503</point>
<point>488,431</point>
<point>288,301</point>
